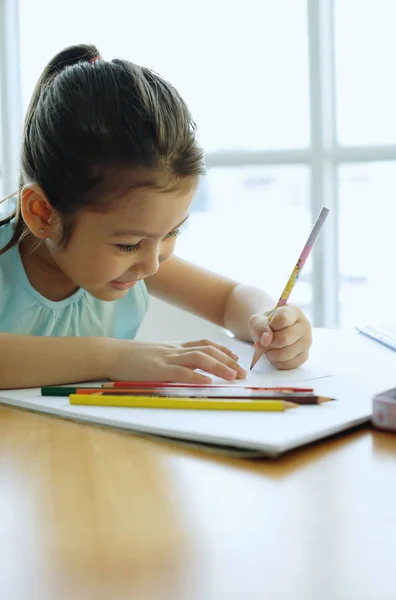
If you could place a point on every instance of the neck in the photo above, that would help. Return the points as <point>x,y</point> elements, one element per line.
<point>43,272</point>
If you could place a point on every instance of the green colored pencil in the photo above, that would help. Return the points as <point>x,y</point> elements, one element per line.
<point>53,390</point>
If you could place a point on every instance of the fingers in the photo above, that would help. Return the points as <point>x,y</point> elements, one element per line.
<point>289,335</point>
<point>219,352</point>
<point>260,329</point>
<point>279,355</point>
<point>292,338</point>
<point>183,359</point>
<point>184,375</point>
<point>295,362</point>
<point>206,342</point>
<point>265,341</point>
<point>282,338</point>
<point>285,316</point>
<point>211,360</point>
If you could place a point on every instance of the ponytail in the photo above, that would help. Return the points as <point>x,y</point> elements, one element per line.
<point>66,58</point>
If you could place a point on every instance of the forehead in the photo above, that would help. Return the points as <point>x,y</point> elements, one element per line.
<point>145,209</point>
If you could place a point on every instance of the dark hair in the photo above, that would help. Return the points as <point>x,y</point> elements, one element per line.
<point>95,129</point>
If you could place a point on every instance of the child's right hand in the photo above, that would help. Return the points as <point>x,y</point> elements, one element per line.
<point>131,360</point>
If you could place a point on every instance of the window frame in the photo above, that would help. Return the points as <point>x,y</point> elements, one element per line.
<point>10,96</point>
<point>322,157</point>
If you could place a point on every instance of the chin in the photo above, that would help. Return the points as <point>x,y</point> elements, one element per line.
<point>107,295</point>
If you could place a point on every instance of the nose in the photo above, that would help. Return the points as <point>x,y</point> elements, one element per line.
<point>148,264</point>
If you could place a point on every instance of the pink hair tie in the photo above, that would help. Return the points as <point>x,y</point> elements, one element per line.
<point>92,60</point>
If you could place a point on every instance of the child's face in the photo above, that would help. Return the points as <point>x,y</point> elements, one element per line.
<point>108,252</point>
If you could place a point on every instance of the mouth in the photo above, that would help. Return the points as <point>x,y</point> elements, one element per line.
<point>123,285</point>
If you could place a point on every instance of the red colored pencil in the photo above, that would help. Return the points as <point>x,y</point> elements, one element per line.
<point>161,384</point>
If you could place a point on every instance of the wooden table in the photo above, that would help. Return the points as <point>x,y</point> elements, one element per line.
<point>94,513</point>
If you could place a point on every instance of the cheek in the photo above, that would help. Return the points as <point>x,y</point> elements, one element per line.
<point>89,266</point>
<point>104,266</point>
<point>167,249</point>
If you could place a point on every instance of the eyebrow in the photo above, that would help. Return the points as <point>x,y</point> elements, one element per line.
<point>135,233</point>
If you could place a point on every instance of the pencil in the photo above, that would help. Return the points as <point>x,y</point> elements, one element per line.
<point>53,390</point>
<point>66,390</point>
<point>220,392</point>
<point>180,403</point>
<point>297,398</point>
<point>297,270</point>
<point>162,384</point>
<point>308,400</point>
<point>301,399</point>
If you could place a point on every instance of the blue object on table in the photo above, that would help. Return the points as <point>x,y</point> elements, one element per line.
<point>384,334</point>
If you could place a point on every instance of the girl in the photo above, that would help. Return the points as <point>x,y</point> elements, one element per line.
<point>109,167</point>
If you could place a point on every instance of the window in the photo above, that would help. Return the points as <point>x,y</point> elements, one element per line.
<point>10,99</point>
<point>2,84</point>
<point>294,102</point>
<point>224,237</point>
<point>367,224</point>
<point>365,46</point>
<point>243,69</point>
<point>2,192</point>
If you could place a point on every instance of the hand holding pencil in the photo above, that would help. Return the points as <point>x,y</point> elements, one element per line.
<point>286,342</point>
<point>284,333</point>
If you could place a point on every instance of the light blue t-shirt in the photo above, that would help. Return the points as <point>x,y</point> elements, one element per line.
<point>24,311</point>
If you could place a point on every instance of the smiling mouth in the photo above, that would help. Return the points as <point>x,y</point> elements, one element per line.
<point>123,285</point>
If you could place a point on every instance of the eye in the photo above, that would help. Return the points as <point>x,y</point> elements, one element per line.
<point>173,233</point>
<point>128,248</point>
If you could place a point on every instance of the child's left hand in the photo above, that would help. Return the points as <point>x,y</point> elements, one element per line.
<point>287,340</point>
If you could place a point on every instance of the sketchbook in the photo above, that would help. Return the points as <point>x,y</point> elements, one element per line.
<point>246,433</point>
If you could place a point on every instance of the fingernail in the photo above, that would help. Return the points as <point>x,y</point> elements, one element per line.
<point>265,338</point>
<point>232,374</point>
<point>234,356</point>
<point>242,373</point>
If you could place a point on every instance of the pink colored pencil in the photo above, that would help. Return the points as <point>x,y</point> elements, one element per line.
<point>297,269</point>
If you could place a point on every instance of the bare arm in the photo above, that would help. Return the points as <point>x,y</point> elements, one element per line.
<point>217,299</point>
<point>231,305</point>
<point>32,361</point>
<point>243,302</point>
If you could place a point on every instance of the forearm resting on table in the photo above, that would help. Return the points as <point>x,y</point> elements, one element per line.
<point>34,361</point>
<point>243,302</point>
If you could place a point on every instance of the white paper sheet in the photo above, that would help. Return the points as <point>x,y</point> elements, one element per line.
<point>268,433</point>
<point>264,373</point>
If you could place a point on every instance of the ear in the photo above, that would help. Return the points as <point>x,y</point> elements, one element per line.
<point>37,212</point>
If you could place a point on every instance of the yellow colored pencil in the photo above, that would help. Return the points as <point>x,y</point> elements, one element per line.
<point>181,403</point>
<point>297,270</point>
